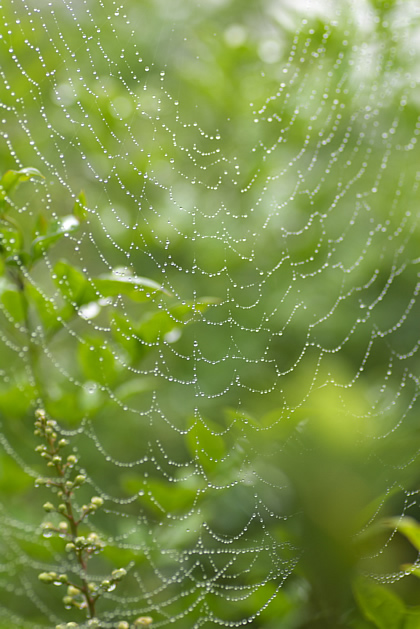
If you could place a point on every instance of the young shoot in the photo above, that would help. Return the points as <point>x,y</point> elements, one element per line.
<point>82,593</point>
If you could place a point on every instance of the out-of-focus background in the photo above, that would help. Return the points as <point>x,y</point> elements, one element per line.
<point>225,323</point>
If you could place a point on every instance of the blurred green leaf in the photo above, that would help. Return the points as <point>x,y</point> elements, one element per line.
<point>205,443</point>
<point>136,288</point>
<point>16,399</point>
<point>126,335</point>
<point>161,497</point>
<point>135,386</point>
<point>12,178</point>
<point>44,307</point>
<point>65,405</point>
<point>379,605</point>
<point>155,326</point>
<point>18,260</point>
<point>412,569</point>
<point>41,225</point>
<point>11,240</point>
<point>408,527</point>
<point>13,479</point>
<point>73,284</point>
<point>55,231</point>
<point>97,360</point>
<point>412,619</point>
<point>13,302</point>
<point>190,309</point>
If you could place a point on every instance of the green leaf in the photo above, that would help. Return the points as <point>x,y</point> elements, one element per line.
<point>13,479</point>
<point>44,306</point>
<point>11,240</point>
<point>136,338</point>
<point>16,399</point>
<point>412,620</point>
<point>413,569</point>
<point>18,260</point>
<point>90,399</point>
<point>205,444</point>
<point>408,527</point>
<point>127,336</point>
<point>136,288</point>
<point>12,178</point>
<point>41,225</point>
<point>14,304</point>
<point>135,386</point>
<point>155,325</point>
<point>379,605</point>
<point>191,310</point>
<point>161,497</point>
<point>73,284</point>
<point>79,207</point>
<point>56,230</point>
<point>65,405</point>
<point>97,360</point>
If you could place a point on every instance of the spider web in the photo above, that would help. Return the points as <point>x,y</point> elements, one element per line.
<point>267,390</point>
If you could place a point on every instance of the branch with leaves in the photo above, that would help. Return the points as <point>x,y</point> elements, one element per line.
<point>82,592</point>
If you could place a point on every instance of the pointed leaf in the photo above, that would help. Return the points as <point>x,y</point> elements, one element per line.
<point>73,284</point>
<point>11,240</point>
<point>41,225</point>
<point>412,569</point>
<point>126,334</point>
<point>56,230</point>
<point>408,527</point>
<point>97,360</point>
<point>205,443</point>
<point>379,605</point>
<point>136,288</point>
<point>18,260</point>
<point>12,178</point>
<point>14,304</point>
<point>44,306</point>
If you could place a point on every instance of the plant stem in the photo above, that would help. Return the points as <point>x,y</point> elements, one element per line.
<point>74,524</point>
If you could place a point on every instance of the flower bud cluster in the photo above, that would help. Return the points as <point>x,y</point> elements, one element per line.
<point>83,594</point>
<point>53,577</point>
<point>95,503</point>
<point>107,585</point>
<point>45,427</point>
<point>90,544</point>
<point>142,621</point>
<point>74,598</point>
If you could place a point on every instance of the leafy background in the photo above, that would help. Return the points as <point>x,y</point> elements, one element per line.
<point>310,476</point>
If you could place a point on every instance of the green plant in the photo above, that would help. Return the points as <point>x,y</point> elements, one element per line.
<point>72,526</point>
<point>32,317</point>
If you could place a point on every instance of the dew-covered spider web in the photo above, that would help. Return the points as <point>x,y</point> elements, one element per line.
<point>228,331</point>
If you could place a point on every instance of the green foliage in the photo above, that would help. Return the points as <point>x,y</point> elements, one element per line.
<point>383,608</point>
<point>47,232</point>
<point>83,590</point>
<point>103,347</point>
